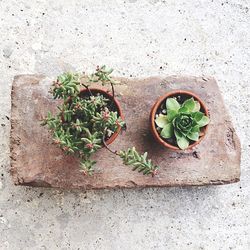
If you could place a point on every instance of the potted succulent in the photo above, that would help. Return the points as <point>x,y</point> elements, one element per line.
<point>89,119</point>
<point>179,120</point>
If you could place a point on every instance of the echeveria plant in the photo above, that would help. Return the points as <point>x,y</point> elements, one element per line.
<point>181,122</point>
<point>84,122</point>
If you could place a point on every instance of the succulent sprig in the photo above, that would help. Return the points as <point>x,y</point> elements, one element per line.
<point>181,121</point>
<point>66,85</point>
<point>139,162</point>
<point>103,75</point>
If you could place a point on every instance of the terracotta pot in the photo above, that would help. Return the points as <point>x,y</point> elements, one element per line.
<point>186,94</point>
<point>85,92</point>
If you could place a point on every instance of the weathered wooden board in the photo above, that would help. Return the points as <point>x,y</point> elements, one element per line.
<point>37,162</point>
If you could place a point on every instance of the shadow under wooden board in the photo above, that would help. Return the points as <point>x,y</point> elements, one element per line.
<point>35,161</point>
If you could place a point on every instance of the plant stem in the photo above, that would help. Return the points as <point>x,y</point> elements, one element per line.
<point>105,144</point>
<point>86,86</point>
<point>113,90</point>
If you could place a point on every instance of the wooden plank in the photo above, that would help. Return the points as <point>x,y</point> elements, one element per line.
<point>37,162</point>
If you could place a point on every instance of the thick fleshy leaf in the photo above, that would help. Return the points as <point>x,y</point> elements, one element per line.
<point>183,110</point>
<point>182,142</point>
<point>161,121</point>
<point>189,104</point>
<point>167,131</point>
<point>184,133</point>
<point>193,136</point>
<point>197,106</point>
<point>204,121</point>
<point>172,104</point>
<point>197,116</point>
<point>177,134</point>
<point>196,128</point>
<point>171,115</point>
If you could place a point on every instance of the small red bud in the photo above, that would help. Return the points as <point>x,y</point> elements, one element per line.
<point>155,172</point>
<point>105,115</point>
<point>90,145</point>
<point>84,172</point>
<point>65,148</point>
<point>57,141</point>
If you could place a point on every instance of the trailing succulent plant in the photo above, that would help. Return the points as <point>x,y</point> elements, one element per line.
<point>181,122</point>
<point>84,122</point>
<point>138,162</point>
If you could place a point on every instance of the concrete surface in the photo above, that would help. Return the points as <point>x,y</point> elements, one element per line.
<point>137,38</point>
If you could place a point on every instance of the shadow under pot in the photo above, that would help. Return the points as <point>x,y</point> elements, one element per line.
<point>179,120</point>
<point>113,105</point>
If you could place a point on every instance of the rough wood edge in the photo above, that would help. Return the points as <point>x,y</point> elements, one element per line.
<point>14,142</point>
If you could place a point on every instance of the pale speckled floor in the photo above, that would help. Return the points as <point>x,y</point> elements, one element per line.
<point>137,38</point>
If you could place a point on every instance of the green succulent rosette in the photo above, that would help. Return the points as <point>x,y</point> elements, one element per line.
<point>182,121</point>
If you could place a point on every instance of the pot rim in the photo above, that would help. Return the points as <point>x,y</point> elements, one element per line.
<point>155,108</point>
<point>118,106</point>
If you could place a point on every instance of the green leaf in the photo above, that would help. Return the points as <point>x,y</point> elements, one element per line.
<point>197,116</point>
<point>189,104</point>
<point>182,142</point>
<point>167,131</point>
<point>161,121</point>
<point>171,114</point>
<point>193,136</point>
<point>172,104</point>
<point>109,71</point>
<point>177,134</point>
<point>204,121</point>
<point>196,128</point>
<point>197,106</point>
<point>183,110</point>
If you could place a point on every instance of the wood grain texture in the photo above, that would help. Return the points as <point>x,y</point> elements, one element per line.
<point>35,161</point>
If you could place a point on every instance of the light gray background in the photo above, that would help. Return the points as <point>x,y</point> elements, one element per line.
<point>138,39</point>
